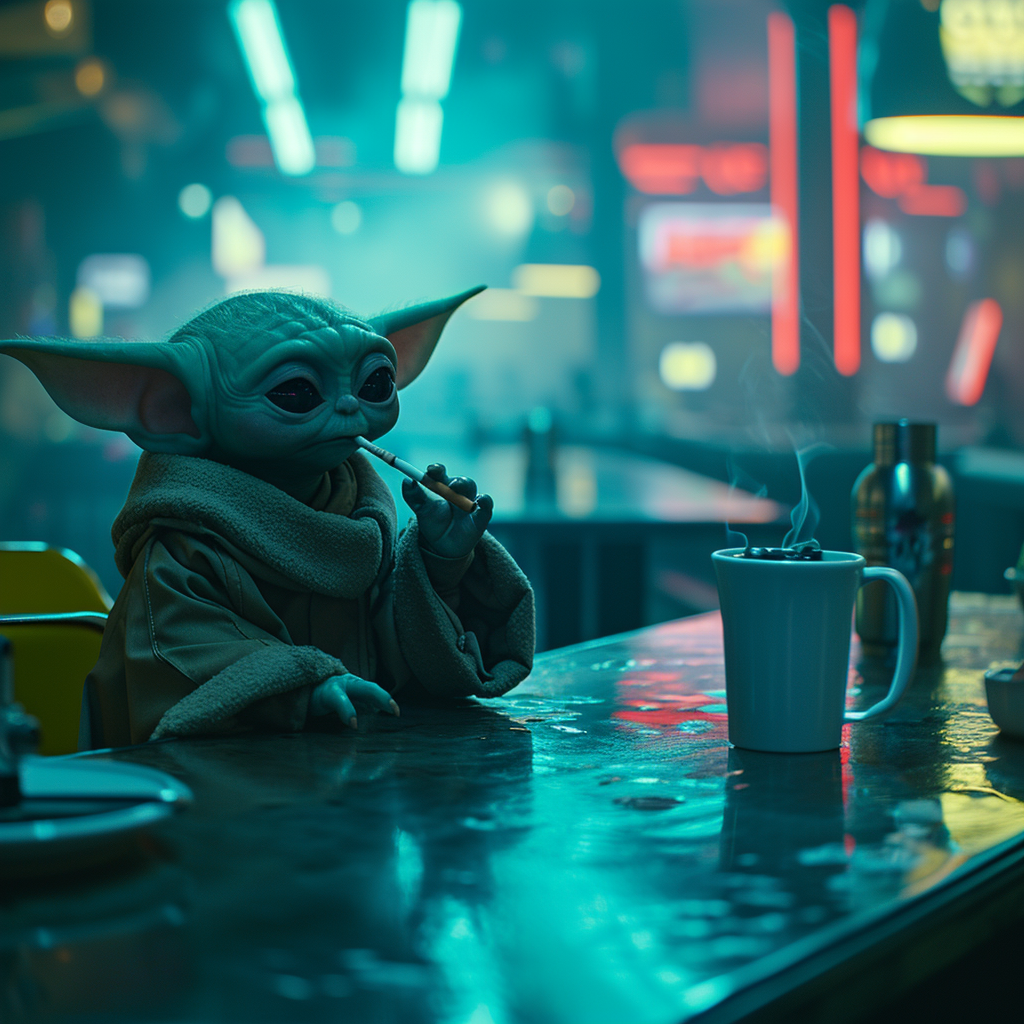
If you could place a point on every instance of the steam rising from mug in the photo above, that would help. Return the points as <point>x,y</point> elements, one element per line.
<point>804,517</point>
<point>805,513</point>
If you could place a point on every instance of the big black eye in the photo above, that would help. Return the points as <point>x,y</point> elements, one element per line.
<point>295,395</point>
<point>379,386</point>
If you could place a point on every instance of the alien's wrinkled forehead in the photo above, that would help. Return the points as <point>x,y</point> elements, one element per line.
<point>246,336</point>
<point>342,346</point>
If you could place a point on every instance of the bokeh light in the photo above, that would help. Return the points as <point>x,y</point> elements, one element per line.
<point>90,77</point>
<point>58,15</point>
<point>882,248</point>
<point>561,200</point>
<point>557,280</point>
<point>688,366</point>
<point>195,200</point>
<point>85,313</point>
<point>238,244</point>
<point>347,217</point>
<point>508,209</point>
<point>893,337</point>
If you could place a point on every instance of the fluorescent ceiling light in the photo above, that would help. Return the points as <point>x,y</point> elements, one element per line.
<point>259,34</point>
<point>289,136</point>
<point>418,136</point>
<point>431,36</point>
<point>948,134</point>
<point>266,56</point>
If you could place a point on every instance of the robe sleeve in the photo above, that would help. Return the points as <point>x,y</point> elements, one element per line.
<point>211,656</point>
<point>476,641</point>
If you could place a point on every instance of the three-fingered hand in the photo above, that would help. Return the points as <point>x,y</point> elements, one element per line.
<point>444,529</point>
<point>337,694</point>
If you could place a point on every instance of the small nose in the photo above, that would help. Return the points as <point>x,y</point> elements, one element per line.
<point>347,404</point>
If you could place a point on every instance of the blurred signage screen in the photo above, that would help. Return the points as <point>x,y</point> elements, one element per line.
<point>710,257</point>
<point>119,280</point>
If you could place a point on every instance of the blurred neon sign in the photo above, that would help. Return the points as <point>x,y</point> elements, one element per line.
<point>726,168</point>
<point>711,257</point>
<point>983,43</point>
<point>903,177</point>
<point>972,357</point>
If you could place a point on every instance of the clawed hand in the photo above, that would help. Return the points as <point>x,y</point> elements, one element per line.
<point>444,529</point>
<point>337,694</point>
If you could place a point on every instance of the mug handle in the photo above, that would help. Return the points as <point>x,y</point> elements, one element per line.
<point>906,652</point>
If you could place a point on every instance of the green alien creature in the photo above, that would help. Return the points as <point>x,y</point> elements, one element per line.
<point>266,583</point>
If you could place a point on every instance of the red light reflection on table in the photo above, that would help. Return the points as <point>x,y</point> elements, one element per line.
<point>652,700</point>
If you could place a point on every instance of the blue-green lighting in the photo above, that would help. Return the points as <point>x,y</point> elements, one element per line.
<point>431,39</point>
<point>262,43</point>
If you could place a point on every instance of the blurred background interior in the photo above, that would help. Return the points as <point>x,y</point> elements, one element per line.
<point>707,243</point>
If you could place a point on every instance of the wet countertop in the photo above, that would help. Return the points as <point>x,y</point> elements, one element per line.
<point>586,849</point>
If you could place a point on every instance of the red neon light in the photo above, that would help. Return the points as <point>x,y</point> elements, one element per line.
<point>784,196</point>
<point>668,169</point>
<point>891,174</point>
<point>700,252</point>
<point>660,169</point>
<point>972,356</point>
<point>842,49</point>
<point>730,169</point>
<point>934,201</point>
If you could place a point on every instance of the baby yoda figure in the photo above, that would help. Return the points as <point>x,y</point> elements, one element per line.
<point>266,585</point>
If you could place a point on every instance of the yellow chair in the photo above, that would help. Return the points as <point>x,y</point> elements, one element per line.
<point>52,609</point>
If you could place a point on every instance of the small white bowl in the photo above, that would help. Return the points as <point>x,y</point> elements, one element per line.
<point>1006,701</point>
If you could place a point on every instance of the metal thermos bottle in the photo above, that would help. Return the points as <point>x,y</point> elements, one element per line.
<point>903,517</point>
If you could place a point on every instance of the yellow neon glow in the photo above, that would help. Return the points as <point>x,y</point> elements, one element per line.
<point>983,43</point>
<point>90,77</point>
<point>687,366</point>
<point>893,337</point>
<point>238,246</point>
<point>58,15</point>
<point>557,280</point>
<point>503,304</point>
<point>85,313</point>
<point>948,134</point>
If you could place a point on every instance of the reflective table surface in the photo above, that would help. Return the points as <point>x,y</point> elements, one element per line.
<point>586,849</point>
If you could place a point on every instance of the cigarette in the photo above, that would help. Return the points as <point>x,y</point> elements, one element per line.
<point>458,500</point>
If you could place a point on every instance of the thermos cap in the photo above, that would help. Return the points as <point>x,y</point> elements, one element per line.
<point>904,441</point>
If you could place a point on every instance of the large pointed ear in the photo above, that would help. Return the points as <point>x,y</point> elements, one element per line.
<point>414,331</point>
<point>152,391</point>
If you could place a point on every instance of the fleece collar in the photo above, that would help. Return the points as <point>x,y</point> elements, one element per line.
<point>339,552</point>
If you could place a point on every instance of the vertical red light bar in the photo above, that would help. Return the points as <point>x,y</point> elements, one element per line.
<point>782,165</point>
<point>972,357</point>
<point>842,54</point>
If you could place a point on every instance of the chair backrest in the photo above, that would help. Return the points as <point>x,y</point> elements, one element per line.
<point>52,653</point>
<point>35,578</point>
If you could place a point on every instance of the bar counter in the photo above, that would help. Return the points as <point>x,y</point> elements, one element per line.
<point>587,849</point>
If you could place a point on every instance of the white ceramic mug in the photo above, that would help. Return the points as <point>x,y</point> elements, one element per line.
<point>786,627</point>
